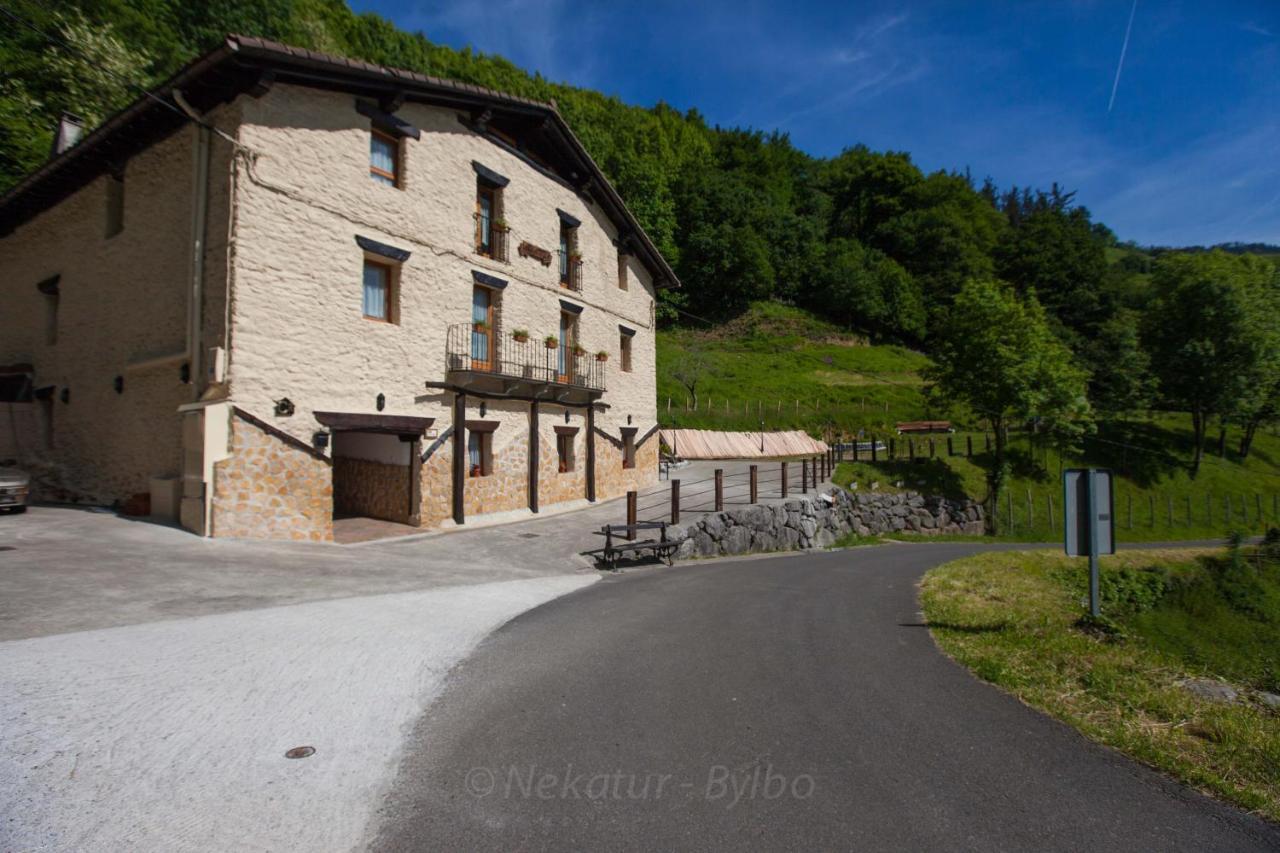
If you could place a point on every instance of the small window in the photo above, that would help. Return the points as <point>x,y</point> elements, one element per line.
<point>479,454</point>
<point>384,158</point>
<point>51,318</point>
<point>628,448</point>
<point>115,206</point>
<point>564,453</point>
<point>379,291</point>
<point>624,346</point>
<point>622,270</point>
<point>491,228</point>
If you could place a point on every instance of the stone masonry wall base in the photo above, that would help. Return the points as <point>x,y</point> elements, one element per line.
<point>818,521</point>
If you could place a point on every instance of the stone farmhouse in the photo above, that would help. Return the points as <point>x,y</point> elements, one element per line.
<point>291,287</point>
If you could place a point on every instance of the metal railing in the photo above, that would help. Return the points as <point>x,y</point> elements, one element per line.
<point>492,352</point>
<point>492,244</point>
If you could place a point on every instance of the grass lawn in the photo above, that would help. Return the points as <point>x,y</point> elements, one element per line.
<point>1011,618</point>
<point>791,370</point>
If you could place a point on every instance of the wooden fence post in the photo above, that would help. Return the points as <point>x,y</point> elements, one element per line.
<point>1053,519</point>
<point>784,479</point>
<point>1031,511</point>
<point>631,515</point>
<point>1009,504</point>
<point>675,501</point>
<point>719,489</point>
<point>755,491</point>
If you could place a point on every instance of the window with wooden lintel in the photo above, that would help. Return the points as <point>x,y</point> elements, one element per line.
<point>479,454</point>
<point>491,227</point>
<point>484,333</point>
<point>570,256</point>
<point>564,451</point>
<point>566,357</point>
<point>624,346</point>
<point>384,158</point>
<point>628,448</point>
<point>378,301</point>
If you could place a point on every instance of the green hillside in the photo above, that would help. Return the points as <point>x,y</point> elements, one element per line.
<point>789,369</point>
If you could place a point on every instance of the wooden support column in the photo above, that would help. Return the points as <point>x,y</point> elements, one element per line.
<point>719,489</point>
<point>631,515</point>
<point>675,501</point>
<point>784,479</point>
<point>755,488</point>
<point>591,453</point>
<point>459,458</point>
<point>415,482</point>
<point>534,448</point>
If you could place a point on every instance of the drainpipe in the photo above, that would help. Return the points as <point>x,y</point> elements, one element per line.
<point>199,217</point>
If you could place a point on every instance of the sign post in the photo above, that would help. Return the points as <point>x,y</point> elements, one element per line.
<point>1088,527</point>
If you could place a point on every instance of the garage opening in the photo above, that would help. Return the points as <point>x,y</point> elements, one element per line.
<point>376,474</point>
<point>371,476</point>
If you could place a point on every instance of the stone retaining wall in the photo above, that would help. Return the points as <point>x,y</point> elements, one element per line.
<point>818,521</point>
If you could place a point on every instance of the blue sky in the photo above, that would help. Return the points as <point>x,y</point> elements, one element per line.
<point>1189,153</point>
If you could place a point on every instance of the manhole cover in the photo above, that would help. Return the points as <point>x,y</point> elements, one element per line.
<point>300,752</point>
<point>530,535</point>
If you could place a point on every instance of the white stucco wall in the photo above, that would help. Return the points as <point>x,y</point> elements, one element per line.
<point>298,331</point>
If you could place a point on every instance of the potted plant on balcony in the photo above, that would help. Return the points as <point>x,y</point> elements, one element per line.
<point>603,355</point>
<point>480,327</point>
<point>575,257</point>
<point>579,350</point>
<point>520,335</point>
<point>551,341</point>
<point>500,224</point>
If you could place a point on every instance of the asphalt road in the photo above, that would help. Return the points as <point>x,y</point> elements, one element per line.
<point>790,703</point>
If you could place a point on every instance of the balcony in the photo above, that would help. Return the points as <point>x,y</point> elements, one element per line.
<point>571,271</point>
<point>495,362</point>
<point>491,238</point>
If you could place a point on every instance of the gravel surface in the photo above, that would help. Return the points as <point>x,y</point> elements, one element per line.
<point>171,735</point>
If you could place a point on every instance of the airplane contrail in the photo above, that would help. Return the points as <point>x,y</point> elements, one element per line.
<point>1123,49</point>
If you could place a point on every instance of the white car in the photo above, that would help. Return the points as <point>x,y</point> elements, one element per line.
<point>14,487</point>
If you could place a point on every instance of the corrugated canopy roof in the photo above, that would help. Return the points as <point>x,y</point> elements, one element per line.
<point>713,444</point>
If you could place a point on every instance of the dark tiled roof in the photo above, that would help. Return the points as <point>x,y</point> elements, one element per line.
<point>242,62</point>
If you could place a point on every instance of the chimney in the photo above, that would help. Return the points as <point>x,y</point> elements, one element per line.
<point>70,128</point>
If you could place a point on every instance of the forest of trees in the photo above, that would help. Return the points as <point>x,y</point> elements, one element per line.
<point>865,238</point>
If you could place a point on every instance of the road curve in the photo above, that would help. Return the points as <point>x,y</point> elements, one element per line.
<point>788,703</point>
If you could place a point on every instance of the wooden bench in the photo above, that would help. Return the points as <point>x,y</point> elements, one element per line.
<point>662,547</point>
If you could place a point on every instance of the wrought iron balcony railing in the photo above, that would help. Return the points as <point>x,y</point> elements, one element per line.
<point>489,352</point>
<point>491,238</point>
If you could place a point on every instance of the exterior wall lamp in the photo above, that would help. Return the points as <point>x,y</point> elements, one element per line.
<point>381,402</point>
<point>284,407</point>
